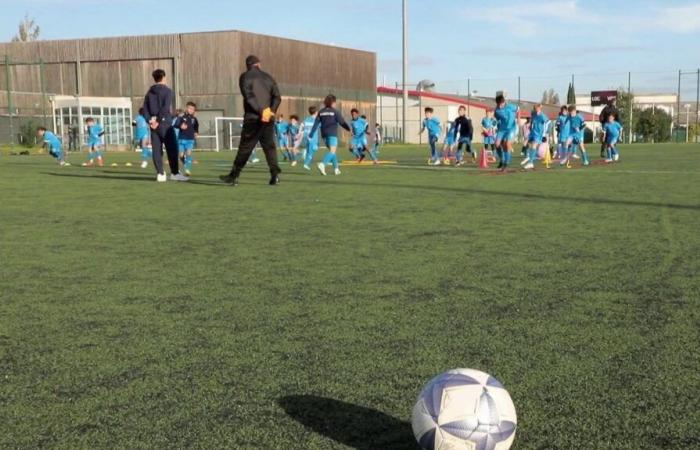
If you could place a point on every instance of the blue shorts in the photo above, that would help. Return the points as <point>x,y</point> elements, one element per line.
<point>563,139</point>
<point>611,140</point>
<point>489,140</point>
<point>576,139</point>
<point>359,142</point>
<point>282,142</point>
<point>185,145</point>
<point>92,143</point>
<point>331,141</point>
<point>535,139</point>
<point>450,141</point>
<point>505,136</point>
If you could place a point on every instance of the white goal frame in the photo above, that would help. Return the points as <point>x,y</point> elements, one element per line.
<point>219,126</point>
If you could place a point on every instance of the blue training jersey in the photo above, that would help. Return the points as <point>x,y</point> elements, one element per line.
<point>577,124</point>
<point>358,127</point>
<point>51,139</point>
<point>538,124</point>
<point>506,117</point>
<point>141,125</point>
<point>282,128</point>
<point>563,127</point>
<point>488,124</point>
<point>293,129</point>
<point>432,125</point>
<point>95,132</point>
<point>308,126</point>
<point>328,120</point>
<point>612,129</point>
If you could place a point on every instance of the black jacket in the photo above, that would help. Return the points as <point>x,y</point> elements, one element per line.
<point>464,127</point>
<point>259,91</point>
<point>158,103</point>
<point>607,112</point>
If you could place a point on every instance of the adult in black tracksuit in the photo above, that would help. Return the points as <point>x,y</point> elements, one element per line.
<point>261,98</point>
<point>157,107</point>
<point>605,114</point>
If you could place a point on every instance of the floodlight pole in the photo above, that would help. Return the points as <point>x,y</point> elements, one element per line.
<point>405,69</point>
<point>469,97</point>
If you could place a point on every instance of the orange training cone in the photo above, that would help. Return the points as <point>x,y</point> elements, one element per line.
<point>483,160</point>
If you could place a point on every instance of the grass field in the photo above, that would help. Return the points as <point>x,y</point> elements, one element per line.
<point>309,315</point>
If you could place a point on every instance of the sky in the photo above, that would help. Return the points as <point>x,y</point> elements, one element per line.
<point>492,43</point>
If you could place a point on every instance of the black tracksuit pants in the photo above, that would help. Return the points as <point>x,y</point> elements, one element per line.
<point>164,135</point>
<point>253,132</point>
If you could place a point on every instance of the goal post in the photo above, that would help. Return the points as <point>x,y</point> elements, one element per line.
<point>227,133</point>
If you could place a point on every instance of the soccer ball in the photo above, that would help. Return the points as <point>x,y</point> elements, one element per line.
<point>464,409</point>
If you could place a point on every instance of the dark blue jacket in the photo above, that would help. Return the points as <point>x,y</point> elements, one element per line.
<point>328,119</point>
<point>158,103</point>
<point>192,127</point>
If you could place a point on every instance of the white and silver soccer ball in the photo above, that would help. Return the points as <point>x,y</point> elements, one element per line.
<point>464,409</point>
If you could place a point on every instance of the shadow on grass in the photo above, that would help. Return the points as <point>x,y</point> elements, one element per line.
<point>302,178</point>
<point>352,425</point>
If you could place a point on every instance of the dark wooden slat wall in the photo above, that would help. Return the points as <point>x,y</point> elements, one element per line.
<point>203,67</point>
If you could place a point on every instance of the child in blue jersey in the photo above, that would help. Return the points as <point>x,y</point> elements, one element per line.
<point>142,133</point>
<point>538,130</point>
<point>488,125</point>
<point>432,124</point>
<point>282,132</point>
<point>449,143</point>
<point>328,120</point>
<point>296,135</point>
<point>563,131</point>
<point>94,142</point>
<point>358,140</point>
<point>188,130</point>
<point>311,143</point>
<point>613,131</point>
<point>577,125</point>
<point>506,115</point>
<point>53,145</point>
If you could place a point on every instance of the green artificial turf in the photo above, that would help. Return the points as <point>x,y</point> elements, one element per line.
<point>309,315</point>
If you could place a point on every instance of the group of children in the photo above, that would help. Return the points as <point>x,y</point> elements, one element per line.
<point>458,138</point>
<point>499,131</point>
<point>298,140</point>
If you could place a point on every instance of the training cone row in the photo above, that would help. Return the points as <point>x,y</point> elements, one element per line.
<point>483,160</point>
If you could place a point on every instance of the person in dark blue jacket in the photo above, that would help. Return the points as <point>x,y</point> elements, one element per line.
<point>328,120</point>
<point>157,106</point>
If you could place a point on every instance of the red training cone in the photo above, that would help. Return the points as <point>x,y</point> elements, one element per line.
<point>483,160</point>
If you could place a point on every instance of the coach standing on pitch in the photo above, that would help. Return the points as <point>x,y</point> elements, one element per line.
<point>261,98</point>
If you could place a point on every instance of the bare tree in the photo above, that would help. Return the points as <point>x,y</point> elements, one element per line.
<point>550,97</point>
<point>27,31</point>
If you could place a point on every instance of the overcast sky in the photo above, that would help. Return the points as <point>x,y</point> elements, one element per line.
<point>493,43</point>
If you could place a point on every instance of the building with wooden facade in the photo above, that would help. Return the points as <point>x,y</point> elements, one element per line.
<point>201,67</point>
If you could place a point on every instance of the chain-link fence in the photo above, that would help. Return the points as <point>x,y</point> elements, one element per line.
<point>659,106</point>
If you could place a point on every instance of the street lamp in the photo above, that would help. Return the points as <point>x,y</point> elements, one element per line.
<point>687,123</point>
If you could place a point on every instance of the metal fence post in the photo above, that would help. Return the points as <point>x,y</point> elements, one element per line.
<point>697,108</point>
<point>8,81</point>
<point>631,105</point>
<point>678,103</point>
<point>42,81</point>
